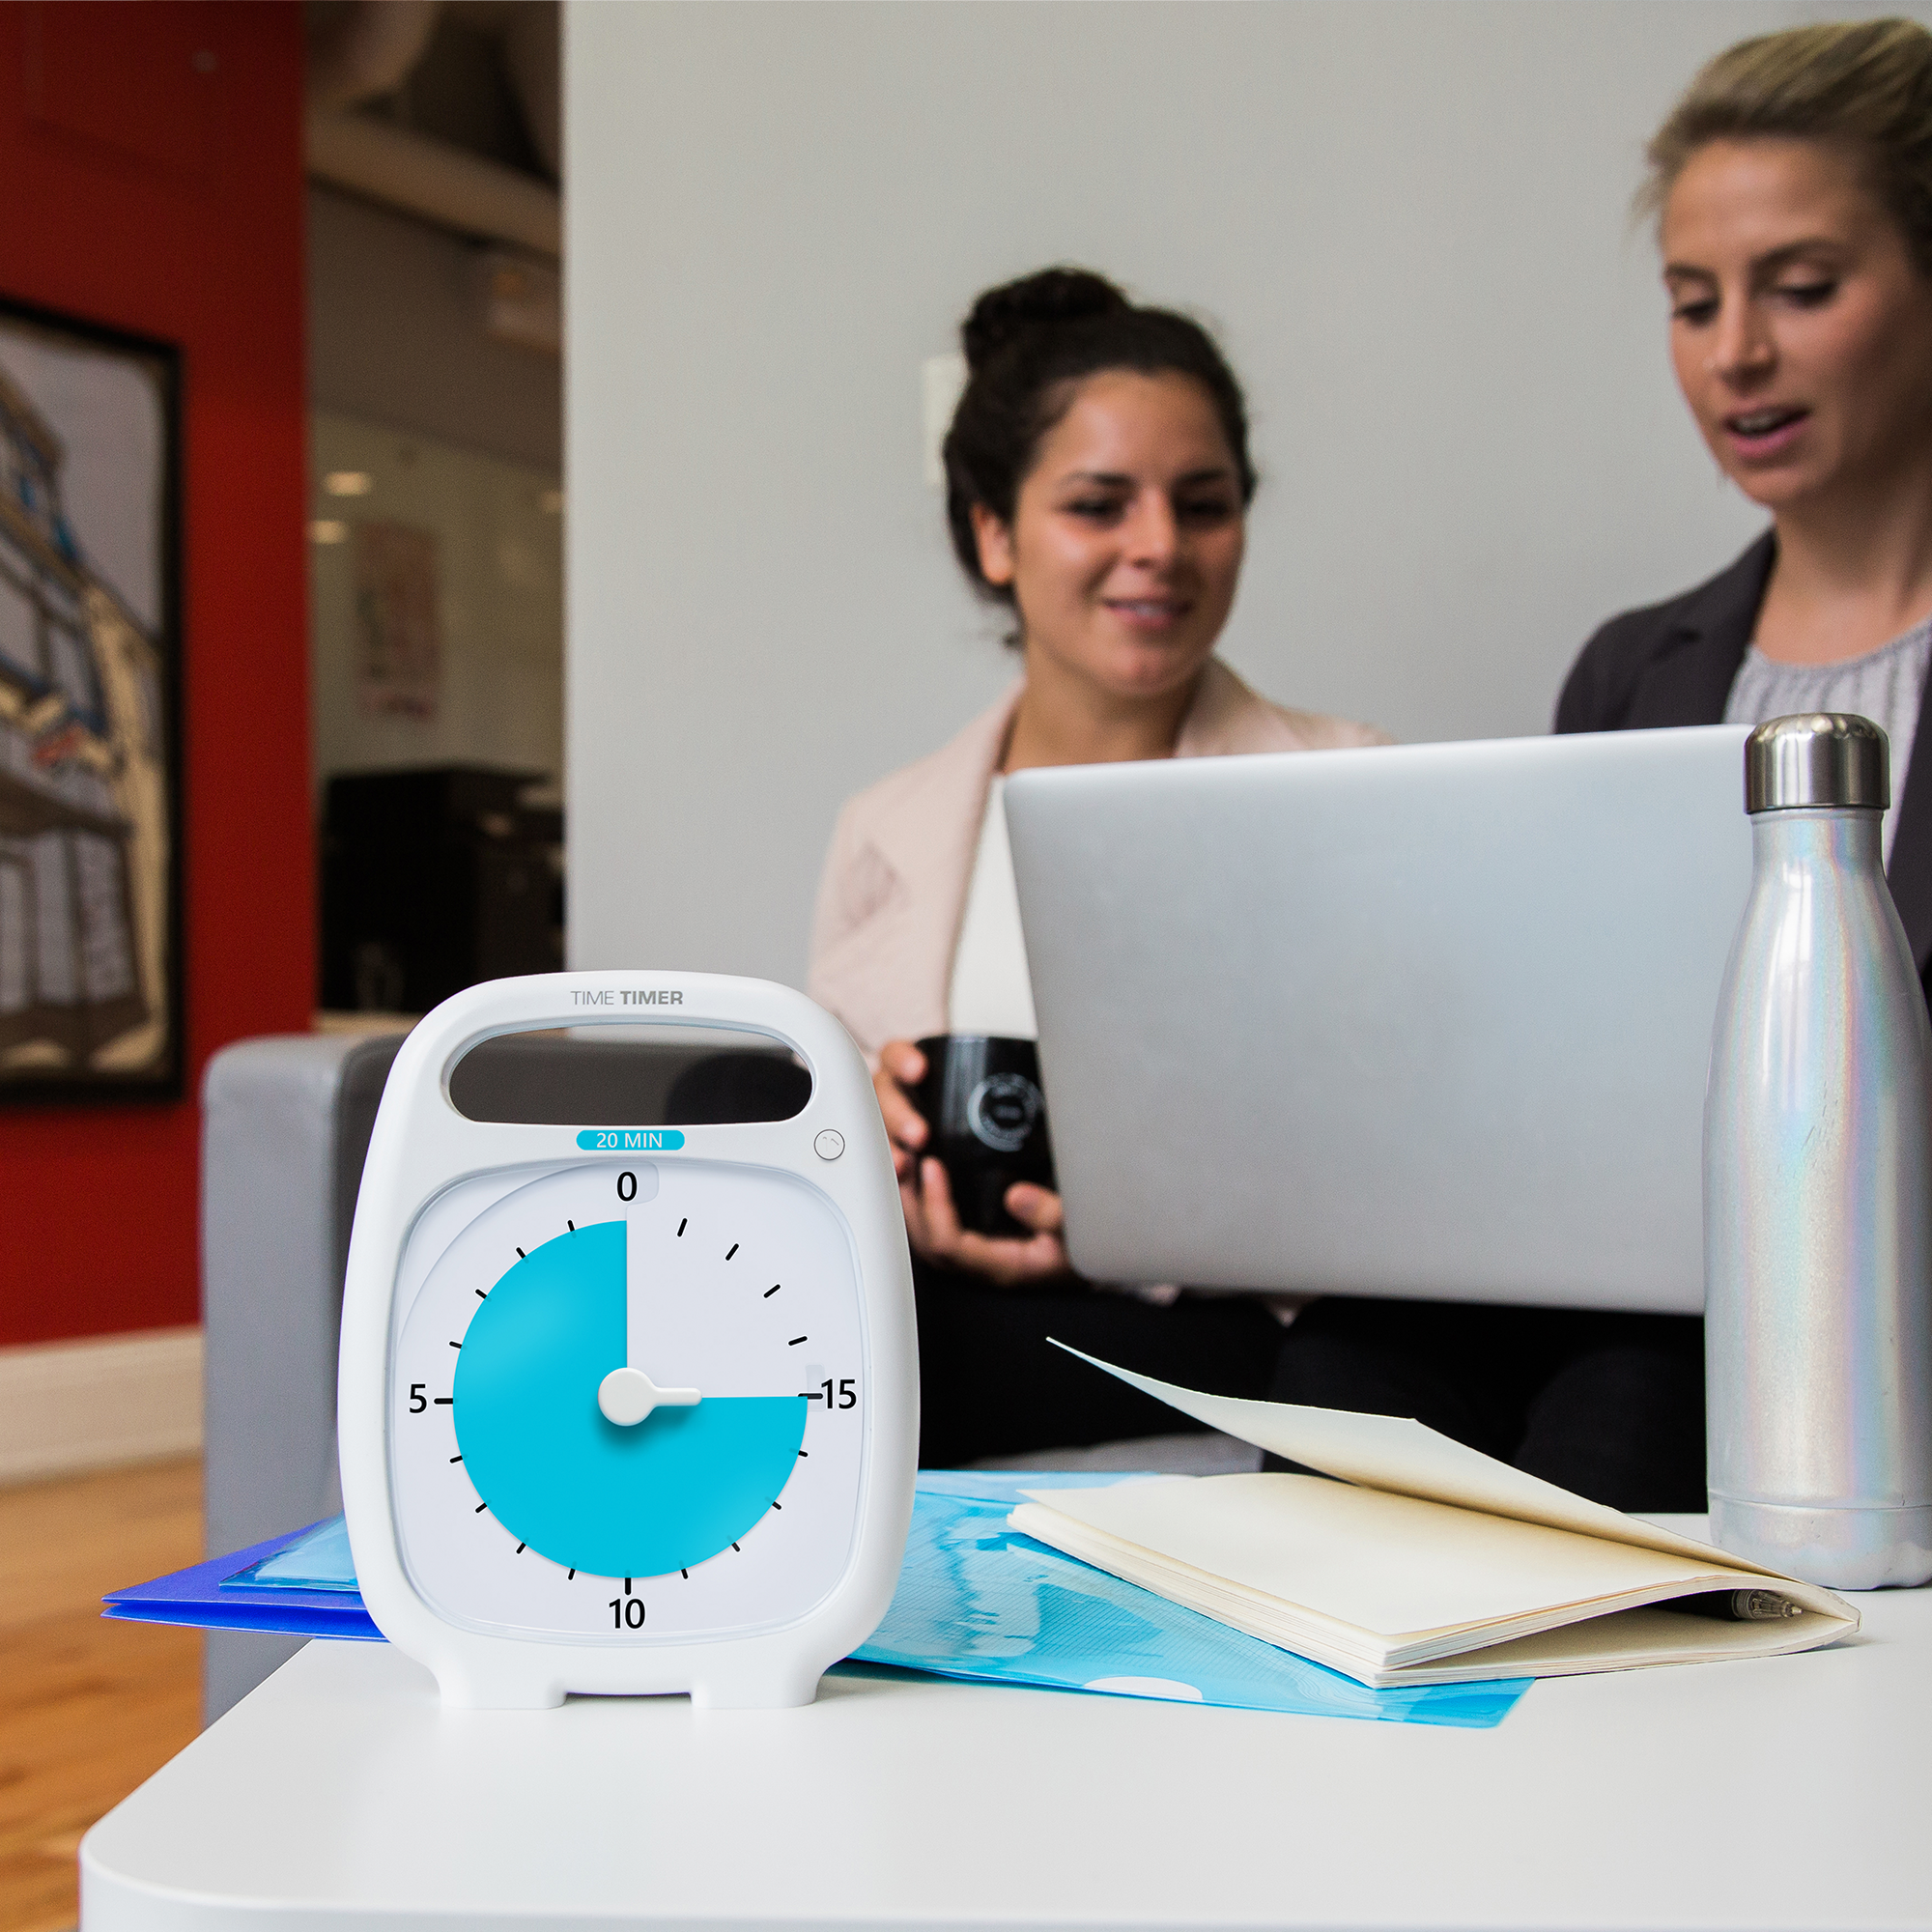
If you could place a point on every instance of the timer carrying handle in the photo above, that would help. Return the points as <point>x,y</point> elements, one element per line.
<point>503,1007</point>
<point>422,1140</point>
<point>418,1086</point>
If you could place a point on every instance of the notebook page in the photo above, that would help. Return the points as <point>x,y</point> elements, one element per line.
<point>1406,1456</point>
<point>1395,1565</point>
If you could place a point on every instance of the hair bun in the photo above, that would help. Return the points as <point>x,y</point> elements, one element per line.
<point>1052,296</point>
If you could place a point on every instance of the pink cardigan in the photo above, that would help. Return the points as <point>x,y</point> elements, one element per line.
<point>894,888</point>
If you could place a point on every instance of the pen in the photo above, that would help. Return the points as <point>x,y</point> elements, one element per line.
<point>1742,1607</point>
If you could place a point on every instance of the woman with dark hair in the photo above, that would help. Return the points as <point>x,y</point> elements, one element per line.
<point>1097,484</point>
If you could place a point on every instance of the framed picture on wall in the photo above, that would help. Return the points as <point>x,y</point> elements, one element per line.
<point>90,663</point>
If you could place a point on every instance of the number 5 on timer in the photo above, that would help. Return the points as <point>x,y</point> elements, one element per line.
<point>612,1423</point>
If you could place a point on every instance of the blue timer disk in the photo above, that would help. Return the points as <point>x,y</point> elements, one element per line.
<point>663,1494</point>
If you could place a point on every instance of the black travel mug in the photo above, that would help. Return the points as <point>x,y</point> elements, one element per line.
<point>982,1099</point>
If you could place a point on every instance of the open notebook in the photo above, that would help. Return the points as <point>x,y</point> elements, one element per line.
<point>1427,1562</point>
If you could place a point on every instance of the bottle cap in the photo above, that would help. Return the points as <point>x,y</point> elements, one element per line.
<point>1822,757</point>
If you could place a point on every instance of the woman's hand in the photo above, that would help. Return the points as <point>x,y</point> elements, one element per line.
<point>902,1064</point>
<point>932,1224</point>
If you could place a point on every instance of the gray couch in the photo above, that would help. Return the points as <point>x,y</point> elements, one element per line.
<point>285,1124</point>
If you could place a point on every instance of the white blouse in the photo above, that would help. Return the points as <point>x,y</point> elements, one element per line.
<point>991,991</point>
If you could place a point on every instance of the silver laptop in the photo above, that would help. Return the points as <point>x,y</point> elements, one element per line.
<point>1425,1020</point>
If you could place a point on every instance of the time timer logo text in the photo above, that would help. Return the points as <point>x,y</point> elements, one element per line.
<point>608,996</point>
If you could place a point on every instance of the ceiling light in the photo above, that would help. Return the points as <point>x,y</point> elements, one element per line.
<point>348,482</point>
<point>327,531</point>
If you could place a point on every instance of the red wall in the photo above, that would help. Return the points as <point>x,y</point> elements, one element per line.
<point>151,177</point>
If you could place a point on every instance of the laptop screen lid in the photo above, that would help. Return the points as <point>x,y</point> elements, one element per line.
<point>1424,1020</point>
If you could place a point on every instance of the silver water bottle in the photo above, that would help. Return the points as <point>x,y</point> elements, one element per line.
<point>1818,1184</point>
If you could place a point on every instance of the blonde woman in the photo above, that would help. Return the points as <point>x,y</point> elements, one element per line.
<point>1792,186</point>
<point>1793,190</point>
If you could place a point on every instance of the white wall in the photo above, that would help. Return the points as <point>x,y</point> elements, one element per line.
<point>1406,217</point>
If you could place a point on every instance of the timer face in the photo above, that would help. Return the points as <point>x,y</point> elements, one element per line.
<point>625,1401</point>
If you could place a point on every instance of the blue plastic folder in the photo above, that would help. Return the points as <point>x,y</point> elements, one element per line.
<point>976,1600</point>
<point>223,1594</point>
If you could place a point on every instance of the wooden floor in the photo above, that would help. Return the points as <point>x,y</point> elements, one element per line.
<point>88,1709</point>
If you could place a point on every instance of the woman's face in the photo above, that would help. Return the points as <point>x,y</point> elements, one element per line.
<point>1800,329</point>
<point>1125,542</point>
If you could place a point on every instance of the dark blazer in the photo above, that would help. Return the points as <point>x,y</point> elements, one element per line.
<point>1672,663</point>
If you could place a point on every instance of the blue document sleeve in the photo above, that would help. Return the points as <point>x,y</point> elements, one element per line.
<point>979,1600</point>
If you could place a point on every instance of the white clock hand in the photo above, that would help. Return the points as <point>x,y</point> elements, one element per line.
<point>629,1395</point>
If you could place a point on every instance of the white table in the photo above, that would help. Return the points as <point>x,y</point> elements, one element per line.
<point>1782,1793</point>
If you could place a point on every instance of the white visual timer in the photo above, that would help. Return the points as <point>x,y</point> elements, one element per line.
<point>628,1409</point>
